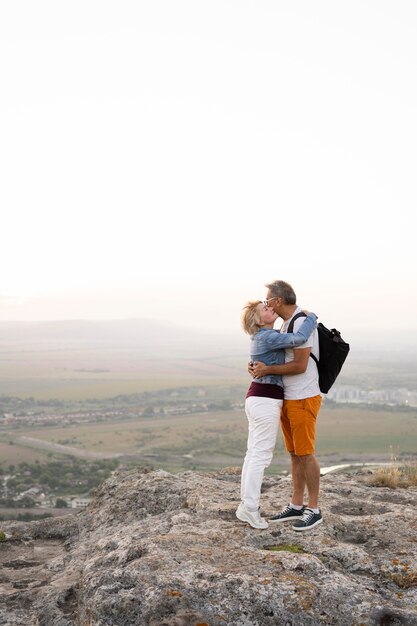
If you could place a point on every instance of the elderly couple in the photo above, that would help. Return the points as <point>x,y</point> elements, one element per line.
<point>285,383</point>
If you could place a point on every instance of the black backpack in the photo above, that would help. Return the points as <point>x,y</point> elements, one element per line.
<point>333,353</point>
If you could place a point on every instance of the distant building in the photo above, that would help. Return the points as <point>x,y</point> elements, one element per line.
<point>79,503</point>
<point>33,492</point>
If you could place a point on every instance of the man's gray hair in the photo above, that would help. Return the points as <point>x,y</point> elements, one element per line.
<point>281,289</point>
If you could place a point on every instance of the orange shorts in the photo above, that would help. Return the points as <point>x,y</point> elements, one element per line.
<point>298,422</point>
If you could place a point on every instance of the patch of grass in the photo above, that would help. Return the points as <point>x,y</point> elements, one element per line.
<point>395,476</point>
<point>287,547</point>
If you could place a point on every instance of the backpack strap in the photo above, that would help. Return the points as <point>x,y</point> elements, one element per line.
<point>290,329</point>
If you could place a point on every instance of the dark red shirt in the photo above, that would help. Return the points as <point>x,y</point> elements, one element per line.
<point>265,390</point>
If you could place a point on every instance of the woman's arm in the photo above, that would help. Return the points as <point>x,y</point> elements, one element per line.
<point>290,340</point>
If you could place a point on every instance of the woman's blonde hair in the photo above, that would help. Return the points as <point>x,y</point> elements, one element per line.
<point>251,319</point>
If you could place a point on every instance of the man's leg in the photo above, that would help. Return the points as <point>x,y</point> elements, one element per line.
<point>310,468</point>
<point>298,479</point>
<point>302,416</point>
<point>297,468</point>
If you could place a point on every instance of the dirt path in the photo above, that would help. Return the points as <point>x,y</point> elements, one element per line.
<point>32,442</point>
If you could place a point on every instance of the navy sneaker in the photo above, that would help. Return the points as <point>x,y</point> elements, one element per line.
<point>287,515</point>
<point>308,520</point>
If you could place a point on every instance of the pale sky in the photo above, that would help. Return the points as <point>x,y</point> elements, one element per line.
<point>165,159</point>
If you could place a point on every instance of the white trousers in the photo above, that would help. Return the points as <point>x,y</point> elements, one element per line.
<point>263,420</point>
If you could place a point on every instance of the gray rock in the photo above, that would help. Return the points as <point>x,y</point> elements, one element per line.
<point>156,549</point>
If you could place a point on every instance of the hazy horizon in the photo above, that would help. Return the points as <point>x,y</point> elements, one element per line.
<point>152,333</point>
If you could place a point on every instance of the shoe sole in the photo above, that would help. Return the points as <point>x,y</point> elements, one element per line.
<point>302,528</point>
<point>251,525</point>
<point>285,519</point>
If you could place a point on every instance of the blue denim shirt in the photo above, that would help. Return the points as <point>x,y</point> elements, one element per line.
<point>268,344</point>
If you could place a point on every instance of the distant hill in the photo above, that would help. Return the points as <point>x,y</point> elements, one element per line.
<point>143,335</point>
<point>154,337</point>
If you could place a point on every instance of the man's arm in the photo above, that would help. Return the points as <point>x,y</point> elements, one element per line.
<point>297,366</point>
<point>277,341</point>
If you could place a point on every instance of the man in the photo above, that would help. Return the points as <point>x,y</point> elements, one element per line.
<point>302,402</point>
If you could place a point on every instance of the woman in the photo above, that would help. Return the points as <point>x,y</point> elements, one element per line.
<point>264,401</point>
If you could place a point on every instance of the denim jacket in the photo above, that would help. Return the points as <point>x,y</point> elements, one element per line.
<point>268,344</point>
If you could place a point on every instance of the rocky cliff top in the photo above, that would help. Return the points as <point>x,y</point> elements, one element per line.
<point>158,549</point>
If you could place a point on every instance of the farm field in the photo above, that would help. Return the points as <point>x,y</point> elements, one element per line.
<point>82,365</point>
<point>354,430</point>
<point>72,375</point>
<point>177,401</point>
<point>215,439</point>
<point>11,454</point>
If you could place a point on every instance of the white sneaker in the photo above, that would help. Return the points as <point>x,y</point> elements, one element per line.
<point>251,517</point>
